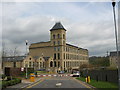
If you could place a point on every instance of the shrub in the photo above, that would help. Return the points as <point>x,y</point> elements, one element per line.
<point>4,84</point>
<point>10,82</point>
<point>3,76</point>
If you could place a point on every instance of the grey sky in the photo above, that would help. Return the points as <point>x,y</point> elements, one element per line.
<point>89,24</point>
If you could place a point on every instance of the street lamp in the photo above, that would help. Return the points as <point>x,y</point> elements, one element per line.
<point>113,4</point>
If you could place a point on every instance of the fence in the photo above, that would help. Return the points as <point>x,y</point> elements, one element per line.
<point>102,75</point>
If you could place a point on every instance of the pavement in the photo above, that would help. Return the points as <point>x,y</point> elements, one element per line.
<point>23,84</point>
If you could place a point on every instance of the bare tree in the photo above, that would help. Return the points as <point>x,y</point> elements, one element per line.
<point>4,50</point>
<point>14,52</point>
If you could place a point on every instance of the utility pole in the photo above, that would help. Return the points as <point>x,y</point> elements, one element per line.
<point>26,58</point>
<point>117,55</point>
<point>107,53</point>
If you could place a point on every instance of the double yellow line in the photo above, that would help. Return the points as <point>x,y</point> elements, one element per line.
<point>30,86</point>
<point>35,83</point>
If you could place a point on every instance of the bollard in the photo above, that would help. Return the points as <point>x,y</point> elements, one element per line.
<point>88,79</point>
<point>32,77</point>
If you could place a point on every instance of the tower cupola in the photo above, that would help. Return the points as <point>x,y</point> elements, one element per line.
<point>57,26</point>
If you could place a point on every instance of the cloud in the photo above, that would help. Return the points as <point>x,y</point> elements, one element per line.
<point>96,38</point>
<point>32,22</point>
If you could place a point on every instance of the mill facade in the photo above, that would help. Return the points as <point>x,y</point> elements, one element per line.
<point>65,56</point>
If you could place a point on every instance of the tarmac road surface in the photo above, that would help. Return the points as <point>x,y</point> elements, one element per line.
<point>59,82</point>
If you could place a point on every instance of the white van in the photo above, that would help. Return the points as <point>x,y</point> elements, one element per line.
<point>76,74</point>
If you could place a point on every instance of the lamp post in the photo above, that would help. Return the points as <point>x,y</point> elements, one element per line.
<point>26,58</point>
<point>113,4</point>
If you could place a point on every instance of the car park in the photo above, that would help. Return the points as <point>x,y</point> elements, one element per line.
<point>61,72</point>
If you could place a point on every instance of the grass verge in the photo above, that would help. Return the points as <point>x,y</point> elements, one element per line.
<point>100,84</point>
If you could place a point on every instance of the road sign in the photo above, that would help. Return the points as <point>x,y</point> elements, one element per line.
<point>22,69</point>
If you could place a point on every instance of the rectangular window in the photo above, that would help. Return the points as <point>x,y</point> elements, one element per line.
<point>64,55</point>
<point>53,36</point>
<point>58,42</point>
<point>54,48</point>
<point>54,42</point>
<point>58,48</point>
<point>64,48</point>
<point>58,36</point>
<point>14,64</point>
<point>63,36</point>
<point>58,55</point>
<point>54,55</point>
<point>64,64</point>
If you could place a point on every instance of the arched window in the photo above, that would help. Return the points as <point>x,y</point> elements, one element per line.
<point>53,36</point>
<point>40,64</point>
<point>58,35</point>
<point>51,64</point>
<point>29,64</point>
<point>43,64</point>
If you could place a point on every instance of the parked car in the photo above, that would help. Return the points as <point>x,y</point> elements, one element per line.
<point>61,72</point>
<point>41,70</point>
<point>76,74</point>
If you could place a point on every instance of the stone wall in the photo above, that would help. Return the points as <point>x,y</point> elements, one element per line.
<point>9,71</point>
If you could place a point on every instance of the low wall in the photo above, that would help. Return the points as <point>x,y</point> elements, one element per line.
<point>9,71</point>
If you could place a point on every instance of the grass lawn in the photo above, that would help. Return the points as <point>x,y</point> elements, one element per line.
<point>0,83</point>
<point>100,84</point>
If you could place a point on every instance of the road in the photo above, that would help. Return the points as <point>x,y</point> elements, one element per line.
<point>58,82</point>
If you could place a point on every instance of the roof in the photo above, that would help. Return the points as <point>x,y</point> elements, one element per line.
<point>41,42</point>
<point>114,53</point>
<point>57,26</point>
<point>35,57</point>
<point>75,46</point>
<point>13,58</point>
<point>46,58</point>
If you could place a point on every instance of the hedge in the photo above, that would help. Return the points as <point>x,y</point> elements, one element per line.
<point>10,82</point>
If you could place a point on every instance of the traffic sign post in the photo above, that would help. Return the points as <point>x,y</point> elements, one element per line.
<point>22,69</point>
